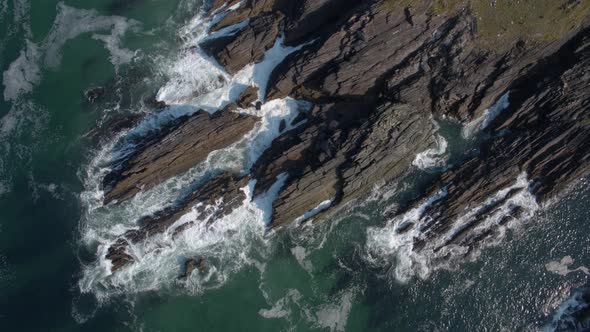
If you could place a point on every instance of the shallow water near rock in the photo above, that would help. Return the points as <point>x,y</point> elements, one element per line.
<point>320,276</point>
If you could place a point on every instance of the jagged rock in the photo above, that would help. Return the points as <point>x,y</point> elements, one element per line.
<point>544,133</point>
<point>191,265</point>
<point>377,71</point>
<point>214,199</point>
<point>155,103</point>
<point>247,45</point>
<point>341,154</point>
<point>114,125</point>
<point>247,97</point>
<point>174,150</point>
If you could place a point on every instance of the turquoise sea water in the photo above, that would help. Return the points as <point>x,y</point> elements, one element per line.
<point>301,279</point>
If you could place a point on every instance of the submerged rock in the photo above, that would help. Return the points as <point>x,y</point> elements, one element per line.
<point>94,94</point>
<point>174,150</point>
<point>191,265</point>
<point>212,200</point>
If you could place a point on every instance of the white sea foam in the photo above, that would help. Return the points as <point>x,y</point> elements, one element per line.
<point>562,267</point>
<point>227,245</point>
<point>333,316</point>
<point>281,308</point>
<point>315,211</point>
<point>435,157</point>
<point>487,117</point>
<point>196,79</point>
<point>394,244</point>
<point>24,73</point>
<point>301,254</point>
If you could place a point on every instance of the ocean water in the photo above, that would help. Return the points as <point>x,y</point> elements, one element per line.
<point>350,272</point>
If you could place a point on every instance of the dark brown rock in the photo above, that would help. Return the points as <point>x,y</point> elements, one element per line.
<point>248,44</point>
<point>222,4</point>
<point>175,150</point>
<point>307,17</point>
<point>250,9</point>
<point>247,97</point>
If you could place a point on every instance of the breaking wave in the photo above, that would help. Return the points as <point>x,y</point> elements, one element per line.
<point>195,81</point>
<point>471,128</point>
<point>435,157</point>
<point>394,245</point>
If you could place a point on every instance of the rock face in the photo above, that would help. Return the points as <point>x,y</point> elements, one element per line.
<point>191,265</point>
<point>174,150</point>
<point>248,97</point>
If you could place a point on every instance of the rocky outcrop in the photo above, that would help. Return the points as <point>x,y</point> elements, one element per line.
<point>341,154</point>
<point>247,45</point>
<point>248,9</point>
<point>544,135</point>
<point>174,150</point>
<point>573,314</point>
<point>307,17</point>
<point>378,72</point>
<point>216,198</point>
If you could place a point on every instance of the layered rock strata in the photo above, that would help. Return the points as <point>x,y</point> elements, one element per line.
<point>173,150</point>
<point>544,135</point>
<point>377,73</point>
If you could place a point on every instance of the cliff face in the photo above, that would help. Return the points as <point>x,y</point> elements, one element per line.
<point>377,72</point>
